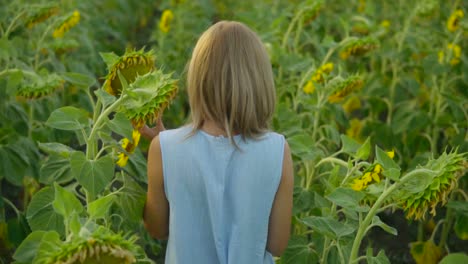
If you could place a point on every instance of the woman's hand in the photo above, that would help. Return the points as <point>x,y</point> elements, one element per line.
<point>150,133</point>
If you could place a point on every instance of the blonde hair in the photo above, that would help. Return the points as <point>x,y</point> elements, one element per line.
<point>230,81</point>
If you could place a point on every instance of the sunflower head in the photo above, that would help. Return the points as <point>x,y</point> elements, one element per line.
<point>453,22</point>
<point>149,95</point>
<point>41,14</point>
<point>449,168</point>
<point>343,88</point>
<point>358,47</point>
<point>131,64</point>
<point>40,87</point>
<point>102,247</point>
<point>69,22</point>
<point>166,19</point>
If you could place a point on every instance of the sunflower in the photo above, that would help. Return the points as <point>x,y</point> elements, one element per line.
<point>41,15</point>
<point>374,174</point>
<point>358,47</point>
<point>449,168</point>
<point>166,19</point>
<point>40,87</point>
<point>453,23</point>
<point>71,21</point>
<point>129,147</point>
<point>130,65</point>
<point>149,95</point>
<point>342,88</point>
<point>102,246</point>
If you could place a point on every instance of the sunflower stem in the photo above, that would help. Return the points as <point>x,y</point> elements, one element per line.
<point>373,211</point>
<point>91,141</point>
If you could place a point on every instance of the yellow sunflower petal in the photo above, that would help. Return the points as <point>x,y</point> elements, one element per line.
<point>122,161</point>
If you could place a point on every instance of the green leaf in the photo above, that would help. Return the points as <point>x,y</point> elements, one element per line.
<point>459,206</point>
<point>56,148</point>
<point>461,226</point>
<point>418,182</point>
<point>121,125</point>
<point>299,250</point>
<point>100,207</point>
<point>349,145</point>
<point>65,202</point>
<point>50,243</point>
<point>75,224</point>
<point>14,80</point>
<point>392,174</point>
<point>328,226</point>
<point>68,118</point>
<point>381,258</point>
<point>55,169</point>
<point>384,160</point>
<point>78,79</point>
<point>109,58</point>
<point>364,151</point>
<point>41,214</point>
<point>131,200</point>
<point>13,164</point>
<point>455,258</point>
<point>348,198</point>
<point>27,251</point>
<point>302,146</point>
<point>377,222</point>
<point>93,175</point>
<point>105,98</point>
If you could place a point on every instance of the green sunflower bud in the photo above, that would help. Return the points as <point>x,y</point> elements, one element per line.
<point>343,88</point>
<point>40,86</point>
<point>448,167</point>
<point>358,47</point>
<point>130,65</point>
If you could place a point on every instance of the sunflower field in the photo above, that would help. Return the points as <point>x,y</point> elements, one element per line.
<point>372,97</point>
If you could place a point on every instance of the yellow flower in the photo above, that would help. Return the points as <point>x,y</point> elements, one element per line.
<point>129,147</point>
<point>391,153</point>
<point>456,53</point>
<point>377,168</point>
<point>385,24</point>
<point>375,177</point>
<point>367,178</point>
<point>453,23</point>
<point>358,185</point>
<point>70,22</point>
<point>309,88</point>
<point>166,18</point>
<point>353,103</point>
<point>327,67</point>
<point>122,159</point>
<point>354,130</point>
<point>440,55</point>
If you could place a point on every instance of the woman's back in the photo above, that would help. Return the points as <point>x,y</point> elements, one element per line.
<point>220,196</point>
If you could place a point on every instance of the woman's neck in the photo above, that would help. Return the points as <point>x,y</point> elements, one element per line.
<point>212,128</point>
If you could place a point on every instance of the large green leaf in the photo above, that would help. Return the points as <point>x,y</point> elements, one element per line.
<point>78,79</point>
<point>68,118</point>
<point>348,198</point>
<point>13,164</point>
<point>384,160</point>
<point>299,250</point>
<point>100,207</point>
<point>381,258</point>
<point>65,202</point>
<point>455,258</point>
<point>328,226</point>
<point>93,175</point>
<point>41,214</point>
<point>56,148</point>
<point>55,169</point>
<point>121,125</point>
<point>27,251</point>
<point>131,200</point>
<point>349,145</point>
<point>364,151</point>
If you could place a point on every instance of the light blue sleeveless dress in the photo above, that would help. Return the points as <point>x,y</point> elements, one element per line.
<point>220,197</point>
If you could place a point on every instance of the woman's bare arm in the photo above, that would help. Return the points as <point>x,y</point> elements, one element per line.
<point>281,213</point>
<point>156,211</point>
